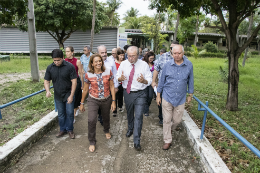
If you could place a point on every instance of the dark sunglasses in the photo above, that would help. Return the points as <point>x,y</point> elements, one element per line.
<point>171,48</point>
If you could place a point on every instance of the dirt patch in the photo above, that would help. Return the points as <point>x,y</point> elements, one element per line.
<point>6,78</point>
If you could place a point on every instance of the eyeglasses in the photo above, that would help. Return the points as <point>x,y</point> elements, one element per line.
<point>171,48</point>
<point>113,53</point>
<point>84,50</point>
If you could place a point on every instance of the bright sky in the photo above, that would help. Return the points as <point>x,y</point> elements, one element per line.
<point>140,5</point>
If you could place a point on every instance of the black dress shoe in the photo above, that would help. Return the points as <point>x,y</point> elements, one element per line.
<point>137,147</point>
<point>129,133</point>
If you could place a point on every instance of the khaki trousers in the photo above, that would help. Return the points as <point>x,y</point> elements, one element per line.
<point>172,116</point>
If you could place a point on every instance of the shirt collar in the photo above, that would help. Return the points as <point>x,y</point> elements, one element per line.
<point>183,63</point>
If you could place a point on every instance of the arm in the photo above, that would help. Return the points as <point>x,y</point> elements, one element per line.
<point>112,90</point>
<point>73,88</point>
<point>84,94</point>
<point>155,75</point>
<point>80,66</point>
<point>114,71</point>
<point>190,86</point>
<point>160,87</point>
<point>47,88</point>
<point>120,74</point>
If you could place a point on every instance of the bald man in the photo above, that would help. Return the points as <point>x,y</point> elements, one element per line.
<point>113,56</point>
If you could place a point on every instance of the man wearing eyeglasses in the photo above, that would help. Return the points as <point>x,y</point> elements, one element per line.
<point>135,76</point>
<point>163,59</point>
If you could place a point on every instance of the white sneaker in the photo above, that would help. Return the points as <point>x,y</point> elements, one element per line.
<point>77,113</point>
<point>74,121</point>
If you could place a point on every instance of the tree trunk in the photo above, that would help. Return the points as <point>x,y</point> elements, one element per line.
<point>176,27</point>
<point>61,45</point>
<point>248,35</point>
<point>93,25</point>
<point>233,74</point>
<point>197,29</point>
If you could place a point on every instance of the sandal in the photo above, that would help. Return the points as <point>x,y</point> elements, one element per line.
<point>91,148</point>
<point>108,135</point>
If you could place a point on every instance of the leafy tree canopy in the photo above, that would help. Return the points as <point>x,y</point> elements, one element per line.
<point>61,18</point>
<point>11,9</point>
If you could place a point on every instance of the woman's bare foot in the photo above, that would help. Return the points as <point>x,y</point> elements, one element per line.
<point>108,135</point>
<point>91,148</point>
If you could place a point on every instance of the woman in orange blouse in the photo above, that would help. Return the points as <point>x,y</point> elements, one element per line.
<point>101,85</point>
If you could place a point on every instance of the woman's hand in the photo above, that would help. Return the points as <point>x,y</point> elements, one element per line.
<point>113,106</point>
<point>81,108</point>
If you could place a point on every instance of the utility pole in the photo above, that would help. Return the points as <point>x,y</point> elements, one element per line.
<point>32,43</point>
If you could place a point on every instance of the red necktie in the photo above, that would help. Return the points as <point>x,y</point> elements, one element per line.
<point>128,89</point>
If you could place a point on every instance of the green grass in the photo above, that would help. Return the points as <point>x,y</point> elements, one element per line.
<point>21,64</point>
<point>19,116</point>
<point>209,87</point>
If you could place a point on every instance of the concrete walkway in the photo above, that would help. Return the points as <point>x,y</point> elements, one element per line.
<point>56,155</point>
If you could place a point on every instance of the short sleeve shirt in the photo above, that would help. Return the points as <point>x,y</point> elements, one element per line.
<point>100,83</point>
<point>61,77</point>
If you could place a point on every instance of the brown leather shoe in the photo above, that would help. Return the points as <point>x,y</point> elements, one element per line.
<point>60,134</point>
<point>166,146</point>
<point>72,135</point>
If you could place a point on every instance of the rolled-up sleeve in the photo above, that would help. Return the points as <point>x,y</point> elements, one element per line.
<point>114,71</point>
<point>162,81</point>
<point>157,65</point>
<point>148,75</point>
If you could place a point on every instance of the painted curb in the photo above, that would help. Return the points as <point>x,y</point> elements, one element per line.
<point>15,148</point>
<point>208,156</point>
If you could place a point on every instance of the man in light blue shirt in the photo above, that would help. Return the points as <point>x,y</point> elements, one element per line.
<point>84,59</point>
<point>158,66</point>
<point>176,77</point>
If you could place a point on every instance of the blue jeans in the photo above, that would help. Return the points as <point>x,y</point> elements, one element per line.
<point>135,103</point>
<point>65,115</point>
<point>149,98</point>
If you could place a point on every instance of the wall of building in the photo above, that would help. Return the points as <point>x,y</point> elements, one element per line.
<point>12,40</point>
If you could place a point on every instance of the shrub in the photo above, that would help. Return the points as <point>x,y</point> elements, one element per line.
<point>211,47</point>
<point>255,52</point>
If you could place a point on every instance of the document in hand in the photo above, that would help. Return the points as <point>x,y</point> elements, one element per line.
<point>155,90</point>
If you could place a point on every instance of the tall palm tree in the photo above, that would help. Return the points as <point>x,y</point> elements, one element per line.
<point>131,13</point>
<point>113,5</point>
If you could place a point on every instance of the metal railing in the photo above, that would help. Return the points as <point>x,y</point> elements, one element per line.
<point>237,135</point>
<point>23,98</point>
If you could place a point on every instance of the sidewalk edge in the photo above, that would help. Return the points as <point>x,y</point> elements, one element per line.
<point>15,148</point>
<point>208,156</point>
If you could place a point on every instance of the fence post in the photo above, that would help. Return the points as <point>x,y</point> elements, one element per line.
<point>204,121</point>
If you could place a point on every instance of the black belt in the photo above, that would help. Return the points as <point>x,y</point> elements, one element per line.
<point>135,91</point>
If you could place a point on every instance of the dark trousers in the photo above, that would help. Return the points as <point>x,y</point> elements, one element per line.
<point>78,94</point>
<point>119,98</point>
<point>135,102</point>
<point>149,98</point>
<point>160,110</point>
<point>93,106</point>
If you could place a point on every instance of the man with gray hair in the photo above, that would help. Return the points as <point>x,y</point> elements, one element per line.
<point>176,79</point>
<point>102,51</point>
<point>135,76</point>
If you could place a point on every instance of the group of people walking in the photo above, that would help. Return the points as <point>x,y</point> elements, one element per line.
<point>107,82</point>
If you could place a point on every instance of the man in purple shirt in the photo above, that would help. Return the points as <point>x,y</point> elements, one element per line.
<point>176,77</point>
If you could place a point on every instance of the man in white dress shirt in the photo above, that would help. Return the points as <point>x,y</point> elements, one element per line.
<point>109,63</point>
<point>113,56</point>
<point>135,76</point>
